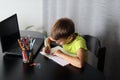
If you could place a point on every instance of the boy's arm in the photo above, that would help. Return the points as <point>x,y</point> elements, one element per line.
<point>77,61</point>
<point>47,46</point>
<point>47,42</point>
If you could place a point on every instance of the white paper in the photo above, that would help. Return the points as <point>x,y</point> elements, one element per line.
<point>60,48</point>
<point>57,59</point>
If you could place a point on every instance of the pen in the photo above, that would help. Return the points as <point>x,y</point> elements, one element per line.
<point>32,44</point>
<point>46,44</point>
<point>20,44</point>
<point>31,47</point>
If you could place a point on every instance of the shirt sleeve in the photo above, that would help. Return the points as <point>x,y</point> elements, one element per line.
<point>81,43</point>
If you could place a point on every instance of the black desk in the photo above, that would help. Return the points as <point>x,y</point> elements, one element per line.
<point>12,68</point>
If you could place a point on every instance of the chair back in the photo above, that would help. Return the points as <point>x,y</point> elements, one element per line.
<point>94,46</point>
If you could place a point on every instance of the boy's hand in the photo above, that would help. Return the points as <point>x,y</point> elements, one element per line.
<point>47,50</point>
<point>57,52</point>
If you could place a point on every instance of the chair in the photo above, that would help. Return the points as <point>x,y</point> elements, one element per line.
<point>94,46</point>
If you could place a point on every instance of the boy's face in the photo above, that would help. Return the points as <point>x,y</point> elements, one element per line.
<point>60,41</point>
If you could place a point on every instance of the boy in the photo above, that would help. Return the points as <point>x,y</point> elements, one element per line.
<point>63,33</point>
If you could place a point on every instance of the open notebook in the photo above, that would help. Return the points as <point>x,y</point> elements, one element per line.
<point>57,59</point>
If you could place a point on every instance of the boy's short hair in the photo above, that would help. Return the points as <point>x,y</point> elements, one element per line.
<point>62,28</point>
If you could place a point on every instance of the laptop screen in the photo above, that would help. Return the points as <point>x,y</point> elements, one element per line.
<point>9,32</point>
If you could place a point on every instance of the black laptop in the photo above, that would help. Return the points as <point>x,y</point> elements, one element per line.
<point>9,35</point>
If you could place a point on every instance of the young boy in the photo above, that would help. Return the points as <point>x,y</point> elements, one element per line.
<point>63,33</point>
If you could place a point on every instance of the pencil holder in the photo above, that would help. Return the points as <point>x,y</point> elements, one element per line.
<point>27,56</point>
<point>26,45</point>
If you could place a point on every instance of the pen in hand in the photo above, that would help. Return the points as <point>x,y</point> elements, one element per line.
<point>47,47</point>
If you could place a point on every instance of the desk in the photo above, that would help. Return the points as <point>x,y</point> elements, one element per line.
<point>12,68</point>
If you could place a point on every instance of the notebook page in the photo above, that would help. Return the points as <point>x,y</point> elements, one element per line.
<point>57,59</point>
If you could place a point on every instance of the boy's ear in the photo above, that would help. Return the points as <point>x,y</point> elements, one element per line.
<point>71,38</point>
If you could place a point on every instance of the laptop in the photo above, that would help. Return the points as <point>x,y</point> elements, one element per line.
<point>9,35</point>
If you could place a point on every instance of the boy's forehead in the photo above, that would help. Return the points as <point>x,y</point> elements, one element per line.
<point>61,39</point>
<point>57,40</point>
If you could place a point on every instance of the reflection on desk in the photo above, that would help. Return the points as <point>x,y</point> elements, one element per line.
<point>12,68</point>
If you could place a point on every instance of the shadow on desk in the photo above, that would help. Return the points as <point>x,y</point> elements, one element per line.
<point>10,62</point>
<point>69,72</point>
<point>86,73</point>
